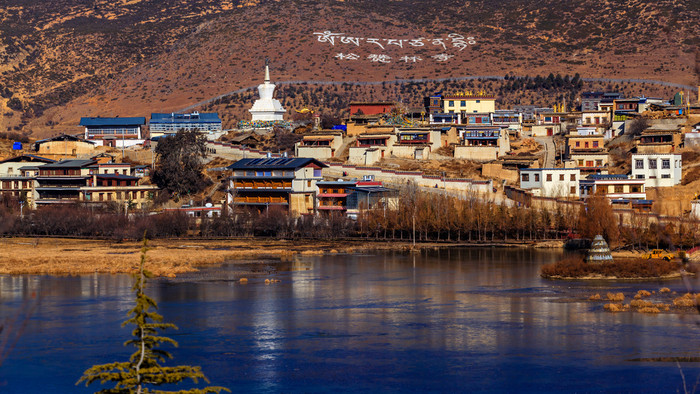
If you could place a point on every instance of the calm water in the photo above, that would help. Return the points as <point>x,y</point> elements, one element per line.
<point>465,320</point>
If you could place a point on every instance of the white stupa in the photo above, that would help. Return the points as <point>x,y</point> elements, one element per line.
<point>267,108</point>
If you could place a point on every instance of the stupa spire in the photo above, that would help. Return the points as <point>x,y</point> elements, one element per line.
<point>267,108</point>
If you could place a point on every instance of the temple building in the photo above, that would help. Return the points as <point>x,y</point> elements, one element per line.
<point>267,109</point>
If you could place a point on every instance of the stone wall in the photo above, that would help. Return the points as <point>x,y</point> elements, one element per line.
<point>398,178</point>
<point>496,170</point>
<point>476,153</point>
<point>316,152</point>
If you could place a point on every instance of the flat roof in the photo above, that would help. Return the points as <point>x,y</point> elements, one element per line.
<point>98,121</point>
<point>68,163</point>
<point>194,117</point>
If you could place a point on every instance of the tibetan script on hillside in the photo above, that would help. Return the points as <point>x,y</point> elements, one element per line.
<point>453,40</point>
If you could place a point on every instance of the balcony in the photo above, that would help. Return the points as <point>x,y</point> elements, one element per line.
<point>240,200</point>
<point>254,185</point>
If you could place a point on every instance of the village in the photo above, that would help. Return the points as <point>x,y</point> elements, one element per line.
<point>640,153</point>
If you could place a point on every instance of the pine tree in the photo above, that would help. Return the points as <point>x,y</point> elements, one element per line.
<point>144,368</point>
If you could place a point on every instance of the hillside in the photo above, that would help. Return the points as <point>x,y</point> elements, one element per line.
<point>65,59</point>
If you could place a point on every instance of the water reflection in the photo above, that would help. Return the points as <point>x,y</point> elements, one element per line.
<point>444,320</point>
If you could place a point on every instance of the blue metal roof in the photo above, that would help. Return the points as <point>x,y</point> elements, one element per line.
<point>274,163</point>
<point>195,117</point>
<point>137,121</point>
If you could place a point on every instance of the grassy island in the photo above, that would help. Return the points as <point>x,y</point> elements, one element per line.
<point>627,268</point>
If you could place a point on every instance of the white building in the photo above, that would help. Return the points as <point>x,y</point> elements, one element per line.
<point>658,169</point>
<point>266,108</point>
<point>551,182</point>
<point>613,186</point>
<point>320,146</point>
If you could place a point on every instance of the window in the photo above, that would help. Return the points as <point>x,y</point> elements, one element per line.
<point>549,177</point>
<point>478,101</point>
<point>561,177</point>
<point>573,189</point>
<point>573,177</point>
<point>585,144</point>
<point>578,144</point>
<point>665,176</point>
<point>526,178</point>
<point>463,103</point>
<point>308,183</point>
<point>665,164</point>
<point>618,189</point>
<point>639,164</point>
<point>450,103</point>
<point>537,177</point>
<point>580,163</point>
<point>599,163</point>
<point>589,163</point>
<point>595,144</point>
<point>640,176</point>
<point>652,164</point>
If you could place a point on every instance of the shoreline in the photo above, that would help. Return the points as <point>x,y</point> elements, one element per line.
<point>170,257</point>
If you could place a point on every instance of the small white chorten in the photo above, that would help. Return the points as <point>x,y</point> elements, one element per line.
<point>267,108</point>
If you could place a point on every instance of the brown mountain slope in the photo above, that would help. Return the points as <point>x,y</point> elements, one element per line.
<point>78,58</point>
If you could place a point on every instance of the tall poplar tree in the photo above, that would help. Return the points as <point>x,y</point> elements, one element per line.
<point>144,370</point>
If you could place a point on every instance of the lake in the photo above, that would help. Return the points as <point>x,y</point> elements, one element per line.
<point>453,320</point>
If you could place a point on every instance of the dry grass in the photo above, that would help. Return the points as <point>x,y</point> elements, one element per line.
<point>664,290</point>
<point>594,297</point>
<point>643,293</point>
<point>641,304</point>
<point>687,300</point>
<point>615,297</point>
<point>616,307</point>
<point>575,267</point>
<point>165,257</point>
